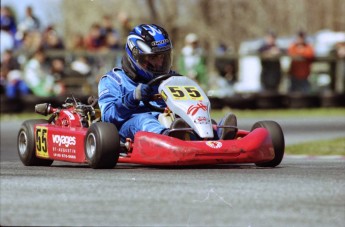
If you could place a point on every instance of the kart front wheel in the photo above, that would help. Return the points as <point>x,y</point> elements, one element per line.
<point>26,144</point>
<point>278,141</point>
<point>102,145</point>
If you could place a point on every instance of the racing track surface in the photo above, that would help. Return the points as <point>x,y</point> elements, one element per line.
<point>301,192</point>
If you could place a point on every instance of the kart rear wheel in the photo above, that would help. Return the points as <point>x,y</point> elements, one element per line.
<point>102,145</point>
<point>26,144</point>
<point>278,141</point>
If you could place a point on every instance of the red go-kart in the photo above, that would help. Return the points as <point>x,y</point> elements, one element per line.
<point>75,133</point>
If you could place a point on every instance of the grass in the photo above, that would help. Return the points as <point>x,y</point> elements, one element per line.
<point>21,116</point>
<point>310,112</point>
<point>324,147</point>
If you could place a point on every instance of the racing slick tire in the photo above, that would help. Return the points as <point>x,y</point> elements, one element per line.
<point>102,145</point>
<point>26,144</point>
<point>278,141</point>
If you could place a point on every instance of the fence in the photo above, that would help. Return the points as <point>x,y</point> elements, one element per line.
<point>81,86</point>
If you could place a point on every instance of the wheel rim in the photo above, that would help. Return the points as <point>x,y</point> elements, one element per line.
<point>91,145</point>
<point>22,143</point>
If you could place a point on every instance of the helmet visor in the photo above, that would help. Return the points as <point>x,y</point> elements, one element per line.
<point>157,63</point>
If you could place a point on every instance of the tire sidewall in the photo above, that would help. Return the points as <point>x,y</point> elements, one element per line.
<point>107,145</point>
<point>278,142</point>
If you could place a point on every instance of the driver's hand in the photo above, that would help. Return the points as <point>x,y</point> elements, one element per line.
<point>143,92</point>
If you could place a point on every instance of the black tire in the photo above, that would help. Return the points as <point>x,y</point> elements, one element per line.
<point>26,144</point>
<point>278,141</point>
<point>102,145</point>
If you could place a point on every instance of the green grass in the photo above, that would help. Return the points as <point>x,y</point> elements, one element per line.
<point>311,112</point>
<point>21,116</point>
<point>324,147</point>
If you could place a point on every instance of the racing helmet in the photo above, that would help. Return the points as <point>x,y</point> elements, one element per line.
<point>149,51</point>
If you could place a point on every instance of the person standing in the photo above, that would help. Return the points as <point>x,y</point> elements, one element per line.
<point>271,73</point>
<point>192,61</point>
<point>302,54</point>
<point>30,21</point>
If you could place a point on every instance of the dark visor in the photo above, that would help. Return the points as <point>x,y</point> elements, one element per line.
<point>157,63</point>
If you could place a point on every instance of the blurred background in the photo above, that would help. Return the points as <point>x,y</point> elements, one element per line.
<point>244,53</point>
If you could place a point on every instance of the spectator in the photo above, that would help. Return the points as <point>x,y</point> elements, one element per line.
<point>110,36</point>
<point>271,73</point>
<point>58,69</point>
<point>15,87</point>
<point>6,40</point>
<point>30,21</point>
<point>8,20</point>
<point>51,39</point>
<point>192,61</point>
<point>38,80</point>
<point>11,77</point>
<point>112,41</point>
<point>77,42</point>
<point>81,66</point>
<point>3,81</point>
<point>93,41</point>
<point>9,62</point>
<point>302,54</point>
<point>340,66</point>
<point>340,49</point>
<point>30,43</point>
<point>225,65</point>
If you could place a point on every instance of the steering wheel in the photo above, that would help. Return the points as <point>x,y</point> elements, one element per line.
<point>156,81</point>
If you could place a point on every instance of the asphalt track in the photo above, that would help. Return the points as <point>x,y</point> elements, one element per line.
<point>300,192</point>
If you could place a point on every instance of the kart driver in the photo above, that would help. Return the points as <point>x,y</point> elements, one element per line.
<point>148,54</point>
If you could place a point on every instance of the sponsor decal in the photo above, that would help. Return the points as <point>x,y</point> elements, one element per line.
<point>214,144</point>
<point>201,120</point>
<point>156,43</point>
<point>193,93</point>
<point>164,96</point>
<point>64,140</point>
<point>69,114</point>
<point>193,109</point>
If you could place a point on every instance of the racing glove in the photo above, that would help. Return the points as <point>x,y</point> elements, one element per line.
<point>141,93</point>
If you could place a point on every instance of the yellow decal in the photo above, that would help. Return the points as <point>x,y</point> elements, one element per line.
<point>164,96</point>
<point>193,93</point>
<point>179,93</point>
<point>42,141</point>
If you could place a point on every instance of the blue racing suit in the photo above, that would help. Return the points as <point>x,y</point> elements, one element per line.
<point>128,119</point>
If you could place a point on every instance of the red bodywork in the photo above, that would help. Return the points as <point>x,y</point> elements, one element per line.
<point>155,149</point>
<point>65,142</point>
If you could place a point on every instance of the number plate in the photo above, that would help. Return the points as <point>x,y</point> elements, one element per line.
<point>41,142</point>
<point>184,93</point>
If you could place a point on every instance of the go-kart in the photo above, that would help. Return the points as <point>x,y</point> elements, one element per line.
<point>75,133</point>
